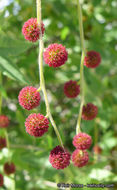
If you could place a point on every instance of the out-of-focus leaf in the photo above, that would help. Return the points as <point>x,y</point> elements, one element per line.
<point>12,47</point>
<point>64,33</point>
<point>3,92</point>
<point>12,71</point>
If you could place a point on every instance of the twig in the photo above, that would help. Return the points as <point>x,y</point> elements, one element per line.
<point>42,80</point>
<point>81,66</point>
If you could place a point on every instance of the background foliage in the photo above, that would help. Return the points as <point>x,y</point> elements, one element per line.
<point>18,64</point>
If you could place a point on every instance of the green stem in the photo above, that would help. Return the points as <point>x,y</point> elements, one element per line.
<point>81,66</point>
<point>14,182</point>
<point>81,25</point>
<point>96,141</point>
<point>96,134</point>
<point>0,94</point>
<point>7,139</point>
<point>8,144</point>
<point>42,81</point>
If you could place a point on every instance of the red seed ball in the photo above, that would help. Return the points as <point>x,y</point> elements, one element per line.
<point>55,55</point>
<point>59,158</point>
<point>29,97</point>
<point>92,59</point>
<point>71,89</point>
<point>1,180</point>
<point>3,143</point>
<point>31,30</point>
<point>80,158</point>
<point>9,168</point>
<point>82,141</point>
<point>4,121</point>
<point>36,125</point>
<point>89,112</point>
<point>97,149</point>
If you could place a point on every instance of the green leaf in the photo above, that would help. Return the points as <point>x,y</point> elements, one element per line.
<point>12,71</point>
<point>3,92</point>
<point>12,47</point>
<point>64,33</point>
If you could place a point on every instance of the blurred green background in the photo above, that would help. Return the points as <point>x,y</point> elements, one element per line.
<point>18,65</point>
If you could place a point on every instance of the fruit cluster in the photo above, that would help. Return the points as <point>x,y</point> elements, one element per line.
<point>37,125</point>
<point>55,55</point>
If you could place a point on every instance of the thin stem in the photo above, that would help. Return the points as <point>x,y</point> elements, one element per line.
<point>41,45</point>
<point>81,66</point>
<point>56,130</point>
<point>96,134</point>
<point>0,93</point>
<point>81,25</point>
<point>7,139</point>
<point>8,144</point>
<point>13,180</point>
<point>42,81</point>
<point>96,156</point>
<point>39,11</point>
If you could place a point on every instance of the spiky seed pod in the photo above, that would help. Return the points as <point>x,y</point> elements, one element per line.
<point>97,149</point>
<point>71,89</point>
<point>59,158</point>
<point>89,112</point>
<point>80,158</point>
<point>29,97</point>
<point>9,168</point>
<point>31,30</point>
<point>3,143</point>
<point>82,141</point>
<point>1,180</point>
<point>36,125</point>
<point>4,121</point>
<point>92,59</point>
<point>55,55</point>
